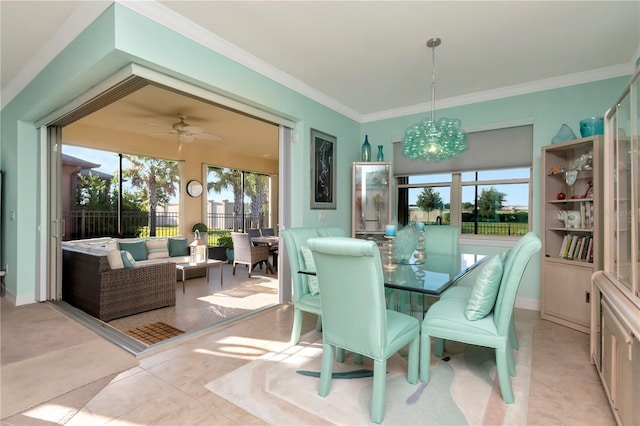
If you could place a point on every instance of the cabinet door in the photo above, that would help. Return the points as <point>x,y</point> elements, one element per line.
<point>620,366</point>
<point>565,293</point>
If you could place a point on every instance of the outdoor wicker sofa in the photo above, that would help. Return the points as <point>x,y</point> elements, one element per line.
<point>89,284</point>
<point>92,284</point>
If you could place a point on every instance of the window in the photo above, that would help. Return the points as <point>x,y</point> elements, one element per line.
<point>488,202</point>
<point>238,200</point>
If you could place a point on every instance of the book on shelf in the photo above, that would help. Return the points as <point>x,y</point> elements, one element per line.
<point>563,246</point>
<point>583,215</point>
<point>572,247</point>
<point>590,251</point>
<point>579,248</point>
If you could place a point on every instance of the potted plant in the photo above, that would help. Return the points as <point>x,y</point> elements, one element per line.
<point>225,240</point>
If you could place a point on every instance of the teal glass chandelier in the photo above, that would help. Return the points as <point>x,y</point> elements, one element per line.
<point>432,140</point>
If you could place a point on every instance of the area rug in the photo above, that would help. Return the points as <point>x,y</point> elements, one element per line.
<point>281,388</point>
<point>153,333</point>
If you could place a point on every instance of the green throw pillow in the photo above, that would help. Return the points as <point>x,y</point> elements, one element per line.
<point>485,290</point>
<point>310,266</point>
<point>127,260</point>
<point>178,247</point>
<point>138,249</point>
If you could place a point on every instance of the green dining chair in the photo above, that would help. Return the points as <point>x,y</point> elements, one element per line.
<point>446,319</point>
<point>354,315</point>
<point>303,300</point>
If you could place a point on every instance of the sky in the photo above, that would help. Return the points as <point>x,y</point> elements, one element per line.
<point>109,164</point>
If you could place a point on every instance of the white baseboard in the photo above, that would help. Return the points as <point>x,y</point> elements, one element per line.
<point>529,304</point>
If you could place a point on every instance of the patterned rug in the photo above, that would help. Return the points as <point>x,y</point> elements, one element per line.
<point>153,333</point>
<point>281,388</point>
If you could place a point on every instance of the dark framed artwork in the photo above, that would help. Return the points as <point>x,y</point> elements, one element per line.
<point>323,170</point>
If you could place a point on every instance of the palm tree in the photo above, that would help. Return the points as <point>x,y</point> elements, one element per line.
<point>228,179</point>
<point>157,180</point>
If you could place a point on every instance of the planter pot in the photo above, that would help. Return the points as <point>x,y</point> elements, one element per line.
<point>230,255</point>
<point>218,253</point>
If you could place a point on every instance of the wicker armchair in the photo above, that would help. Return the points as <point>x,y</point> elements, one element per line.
<point>246,253</point>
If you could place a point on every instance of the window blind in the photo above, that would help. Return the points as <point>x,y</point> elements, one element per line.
<point>510,147</point>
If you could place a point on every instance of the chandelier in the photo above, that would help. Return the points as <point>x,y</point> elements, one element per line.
<point>432,140</point>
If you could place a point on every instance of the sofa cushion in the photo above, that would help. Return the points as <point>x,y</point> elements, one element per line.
<point>310,266</point>
<point>115,259</point>
<point>157,248</point>
<point>127,260</point>
<point>178,247</point>
<point>138,249</point>
<point>485,290</point>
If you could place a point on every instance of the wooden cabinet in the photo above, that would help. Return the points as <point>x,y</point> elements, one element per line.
<point>571,226</point>
<point>371,199</point>
<point>615,308</point>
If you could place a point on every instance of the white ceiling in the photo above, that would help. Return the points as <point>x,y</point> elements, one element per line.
<point>366,59</point>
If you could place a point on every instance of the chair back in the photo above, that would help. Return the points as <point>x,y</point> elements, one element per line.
<point>241,246</point>
<point>294,238</point>
<point>253,233</point>
<point>268,232</point>
<point>515,264</point>
<point>442,240</point>
<point>351,286</point>
<point>331,231</point>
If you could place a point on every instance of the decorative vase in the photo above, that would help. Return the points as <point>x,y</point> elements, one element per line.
<point>380,154</point>
<point>366,149</point>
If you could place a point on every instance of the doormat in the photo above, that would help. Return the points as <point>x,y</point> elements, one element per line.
<point>153,333</point>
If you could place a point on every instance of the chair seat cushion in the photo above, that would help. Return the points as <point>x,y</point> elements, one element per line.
<point>401,329</point>
<point>485,290</point>
<point>448,315</point>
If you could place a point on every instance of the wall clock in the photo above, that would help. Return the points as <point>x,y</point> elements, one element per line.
<point>194,188</point>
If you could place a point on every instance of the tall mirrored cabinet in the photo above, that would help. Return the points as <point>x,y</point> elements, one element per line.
<point>371,195</point>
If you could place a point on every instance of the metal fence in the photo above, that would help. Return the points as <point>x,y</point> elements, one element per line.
<point>80,224</point>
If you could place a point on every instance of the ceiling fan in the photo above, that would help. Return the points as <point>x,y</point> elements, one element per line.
<point>186,132</point>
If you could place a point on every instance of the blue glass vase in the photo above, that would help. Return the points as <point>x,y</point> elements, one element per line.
<point>366,149</point>
<point>380,154</point>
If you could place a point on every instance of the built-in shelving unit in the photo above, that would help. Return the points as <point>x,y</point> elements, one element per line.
<point>571,229</point>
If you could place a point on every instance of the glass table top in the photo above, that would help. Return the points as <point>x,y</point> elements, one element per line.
<point>433,275</point>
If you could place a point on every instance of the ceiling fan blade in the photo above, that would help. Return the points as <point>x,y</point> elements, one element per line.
<point>194,130</point>
<point>208,136</point>
<point>186,138</point>
<point>157,125</point>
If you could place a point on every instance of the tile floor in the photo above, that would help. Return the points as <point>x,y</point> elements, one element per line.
<point>167,387</point>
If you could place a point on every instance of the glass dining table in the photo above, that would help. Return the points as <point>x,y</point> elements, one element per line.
<point>409,284</point>
<point>431,275</point>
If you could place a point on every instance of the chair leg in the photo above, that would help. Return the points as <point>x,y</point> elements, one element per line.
<point>513,336</point>
<point>357,359</point>
<point>413,361</point>
<point>503,375</point>
<point>439,346</point>
<point>379,390</point>
<point>319,323</point>
<point>511,361</point>
<point>340,352</point>
<point>234,268</point>
<point>296,329</point>
<point>324,386</point>
<point>425,357</point>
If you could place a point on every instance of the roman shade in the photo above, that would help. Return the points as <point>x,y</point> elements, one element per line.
<point>509,147</point>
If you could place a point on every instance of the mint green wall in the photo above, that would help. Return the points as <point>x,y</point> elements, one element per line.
<point>547,110</point>
<point>118,37</point>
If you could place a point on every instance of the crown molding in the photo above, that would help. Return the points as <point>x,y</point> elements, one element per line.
<point>178,23</point>
<point>505,92</point>
<point>71,28</point>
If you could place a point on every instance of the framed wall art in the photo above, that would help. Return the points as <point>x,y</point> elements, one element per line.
<point>323,170</point>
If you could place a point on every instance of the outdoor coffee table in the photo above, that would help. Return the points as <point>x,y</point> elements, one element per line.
<point>206,265</point>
